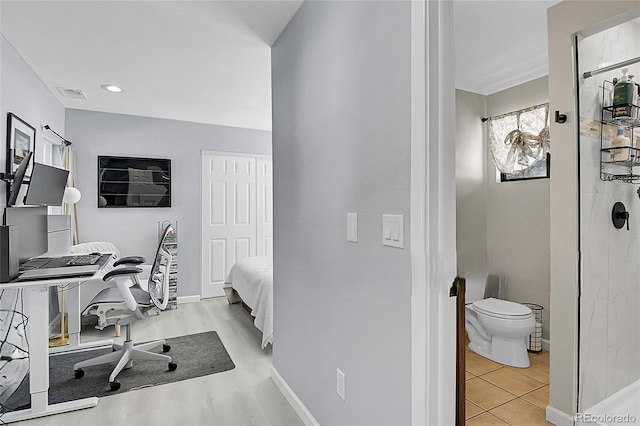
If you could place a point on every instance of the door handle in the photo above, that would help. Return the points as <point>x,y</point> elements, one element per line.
<point>455,286</point>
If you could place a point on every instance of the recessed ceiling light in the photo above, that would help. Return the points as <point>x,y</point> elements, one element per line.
<point>111,88</point>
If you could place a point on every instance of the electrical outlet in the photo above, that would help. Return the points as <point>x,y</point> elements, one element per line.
<point>340,384</point>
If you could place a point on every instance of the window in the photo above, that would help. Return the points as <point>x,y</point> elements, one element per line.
<point>519,143</point>
<point>50,153</point>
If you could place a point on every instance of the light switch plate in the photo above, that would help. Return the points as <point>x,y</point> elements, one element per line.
<point>393,230</point>
<point>352,227</point>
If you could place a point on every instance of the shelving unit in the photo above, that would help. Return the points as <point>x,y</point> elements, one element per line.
<point>612,167</point>
<point>171,244</point>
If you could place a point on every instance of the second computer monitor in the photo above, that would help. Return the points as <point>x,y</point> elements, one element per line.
<point>46,187</point>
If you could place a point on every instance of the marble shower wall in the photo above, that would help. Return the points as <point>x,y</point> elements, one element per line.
<point>610,267</point>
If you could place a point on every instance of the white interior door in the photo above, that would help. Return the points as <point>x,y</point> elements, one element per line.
<point>264,221</point>
<point>228,217</point>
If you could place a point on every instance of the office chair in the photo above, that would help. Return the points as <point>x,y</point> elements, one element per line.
<point>125,304</point>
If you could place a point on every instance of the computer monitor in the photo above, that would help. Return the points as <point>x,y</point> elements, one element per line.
<point>18,178</point>
<point>46,187</point>
<point>32,230</point>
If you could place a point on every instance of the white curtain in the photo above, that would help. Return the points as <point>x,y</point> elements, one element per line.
<point>519,139</point>
<point>68,156</point>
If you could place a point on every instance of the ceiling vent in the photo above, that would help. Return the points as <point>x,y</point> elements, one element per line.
<point>72,93</point>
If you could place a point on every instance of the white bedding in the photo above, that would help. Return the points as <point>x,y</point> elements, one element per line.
<point>252,278</point>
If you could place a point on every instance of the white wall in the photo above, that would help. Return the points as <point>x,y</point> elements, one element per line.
<point>134,230</point>
<point>609,314</point>
<point>341,143</point>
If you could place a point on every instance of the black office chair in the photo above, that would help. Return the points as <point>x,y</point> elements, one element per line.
<point>125,304</point>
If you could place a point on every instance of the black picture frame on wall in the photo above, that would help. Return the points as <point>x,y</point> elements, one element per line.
<point>133,182</point>
<point>21,139</point>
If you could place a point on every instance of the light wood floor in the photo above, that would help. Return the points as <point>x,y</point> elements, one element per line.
<point>245,395</point>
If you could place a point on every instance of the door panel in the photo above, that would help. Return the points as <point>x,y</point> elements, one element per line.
<point>229,206</point>
<point>265,207</point>
<point>218,254</point>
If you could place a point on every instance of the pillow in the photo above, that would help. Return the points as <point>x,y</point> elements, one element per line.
<point>95,246</point>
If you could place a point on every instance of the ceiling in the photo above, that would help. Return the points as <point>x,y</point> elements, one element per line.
<point>209,61</point>
<point>500,44</point>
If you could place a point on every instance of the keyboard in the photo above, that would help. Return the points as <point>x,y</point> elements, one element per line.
<point>83,259</point>
<point>60,267</point>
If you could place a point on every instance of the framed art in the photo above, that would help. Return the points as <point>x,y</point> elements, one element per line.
<point>21,139</point>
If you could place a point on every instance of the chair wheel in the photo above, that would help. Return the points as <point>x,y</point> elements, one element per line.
<point>115,385</point>
<point>79,373</point>
<point>172,366</point>
<point>166,348</point>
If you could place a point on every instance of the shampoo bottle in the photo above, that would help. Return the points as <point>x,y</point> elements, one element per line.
<point>623,96</point>
<point>622,144</point>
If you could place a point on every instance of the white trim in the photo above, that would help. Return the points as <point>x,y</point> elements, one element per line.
<point>292,398</point>
<point>233,154</point>
<point>557,417</point>
<point>433,227</point>
<point>188,299</point>
<point>546,345</point>
<point>417,223</point>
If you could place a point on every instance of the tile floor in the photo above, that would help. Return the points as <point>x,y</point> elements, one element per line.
<point>502,395</point>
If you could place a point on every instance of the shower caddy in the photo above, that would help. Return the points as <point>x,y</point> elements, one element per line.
<point>611,170</point>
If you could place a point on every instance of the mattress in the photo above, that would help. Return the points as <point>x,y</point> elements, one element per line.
<point>252,279</point>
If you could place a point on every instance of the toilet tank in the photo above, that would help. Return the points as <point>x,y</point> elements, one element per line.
<point>474,291</point>
<point>478,290</point>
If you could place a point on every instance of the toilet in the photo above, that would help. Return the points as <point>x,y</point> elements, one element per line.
<point>499,330</point>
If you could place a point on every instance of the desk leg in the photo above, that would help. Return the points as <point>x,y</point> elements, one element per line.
<point>37,306</point>
<point>37,303</point>
<point>73,309</point>
<point>74,315</point>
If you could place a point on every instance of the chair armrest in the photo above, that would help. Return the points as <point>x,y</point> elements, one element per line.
<point>121,276</point>
<point>130,260</point>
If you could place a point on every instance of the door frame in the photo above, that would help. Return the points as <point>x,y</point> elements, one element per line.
<point>204,152</point>
<point>433,226</point>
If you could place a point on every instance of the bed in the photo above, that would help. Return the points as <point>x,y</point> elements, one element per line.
<point>251,281</point>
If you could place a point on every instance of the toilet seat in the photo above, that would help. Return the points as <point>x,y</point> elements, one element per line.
<point>502,309</point>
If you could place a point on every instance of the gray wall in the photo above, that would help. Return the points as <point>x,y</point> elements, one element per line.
<point>24,94</point>
<point>502,228</point>
<point>471,192</point>
<point>518,215</point>
<point>341,143</point>
<point>134,230</point>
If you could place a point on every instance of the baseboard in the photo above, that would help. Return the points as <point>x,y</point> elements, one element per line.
<point>293,399</point>
<point>546,345</point>
<point>557,417</point>
<point>188,299</point>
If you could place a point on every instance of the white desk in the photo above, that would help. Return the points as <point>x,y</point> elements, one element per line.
<point>36,296</point>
